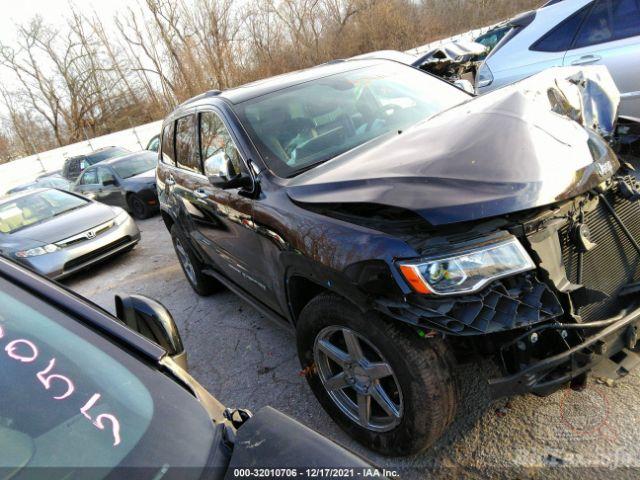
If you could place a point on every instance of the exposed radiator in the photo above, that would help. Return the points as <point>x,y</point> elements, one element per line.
<point>612,264</point>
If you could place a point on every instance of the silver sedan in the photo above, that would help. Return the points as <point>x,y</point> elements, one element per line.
<point>59,233</point>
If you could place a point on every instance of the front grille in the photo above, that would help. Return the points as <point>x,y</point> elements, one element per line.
<point>611,265</point>
<point>88,257</point>
<point>81,237</point>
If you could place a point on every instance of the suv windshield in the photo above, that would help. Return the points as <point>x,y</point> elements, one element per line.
<point>303,125</point>
<point>71,400</point>
<point>36,207</point>
<point>132,166</point>
<point>94,158</point>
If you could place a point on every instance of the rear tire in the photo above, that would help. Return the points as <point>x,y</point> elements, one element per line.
<point>191,266</point>
<point>419,369</point>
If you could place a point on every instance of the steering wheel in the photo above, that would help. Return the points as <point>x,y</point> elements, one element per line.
<point>381,113</point>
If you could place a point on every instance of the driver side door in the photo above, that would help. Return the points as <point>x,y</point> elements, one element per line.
<point>88,184</point>
<point>109,190</point>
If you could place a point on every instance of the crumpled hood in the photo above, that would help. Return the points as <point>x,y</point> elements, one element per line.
<point>516,148</point>
<point>59,228</point>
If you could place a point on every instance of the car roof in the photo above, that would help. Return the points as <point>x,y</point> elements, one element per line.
<point>99,150</point>
<point>272,84</point>
<point>121,158</point>
<point>22,193</point>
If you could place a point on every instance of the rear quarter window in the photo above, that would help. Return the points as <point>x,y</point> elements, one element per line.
<point>560,38</point>
<point>610,20</point>
<point>167,148</point>
<point>187,156</point>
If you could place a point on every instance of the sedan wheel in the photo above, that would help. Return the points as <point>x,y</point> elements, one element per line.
<point>138,208</point>
<point>358,379</point>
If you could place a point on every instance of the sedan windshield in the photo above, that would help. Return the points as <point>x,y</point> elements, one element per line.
<point>132,166</point>
<point>24,211</point>
<point>304,125</point>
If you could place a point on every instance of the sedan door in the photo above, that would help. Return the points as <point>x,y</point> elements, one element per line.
<point>87,184</point>
<point>110,190</point>
<point>610,36</point>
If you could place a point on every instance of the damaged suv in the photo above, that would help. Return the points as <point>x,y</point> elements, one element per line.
<point>401,225</point>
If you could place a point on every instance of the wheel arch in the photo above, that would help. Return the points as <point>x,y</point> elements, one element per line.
<point>167,219</point>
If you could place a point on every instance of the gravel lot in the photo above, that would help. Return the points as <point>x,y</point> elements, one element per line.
<point>247,361</point>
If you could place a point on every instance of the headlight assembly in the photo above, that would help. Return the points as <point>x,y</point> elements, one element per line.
<point>467,271</point>
<point>37,251</point>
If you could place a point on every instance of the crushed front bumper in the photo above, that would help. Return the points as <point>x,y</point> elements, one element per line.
<point>611,345</point>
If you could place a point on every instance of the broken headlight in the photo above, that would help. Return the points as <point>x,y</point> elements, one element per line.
<point>467,271</point>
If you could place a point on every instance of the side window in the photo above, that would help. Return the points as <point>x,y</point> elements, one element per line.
<point>216,143</point>
<point>105,176</point>
<point>89,178</point>
<point>608,21</point>
<point>186,152</point>
<point>167,144</point>
<point>561,37</point>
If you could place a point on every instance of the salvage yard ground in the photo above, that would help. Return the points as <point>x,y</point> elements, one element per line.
<point>247,361</point>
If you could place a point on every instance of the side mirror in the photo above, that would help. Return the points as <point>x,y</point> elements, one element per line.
<point>152,320</point>
<point>465,85</point>
<point>222,172</point>
<point>109,182</point>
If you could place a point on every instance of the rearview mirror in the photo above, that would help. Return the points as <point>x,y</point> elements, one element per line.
<point>222,172</point>
<point>465,85</point>
<point>152,320</point>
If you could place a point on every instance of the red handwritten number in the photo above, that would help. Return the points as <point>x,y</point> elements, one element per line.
<point>46,380</point>
<point>12,347</point>
<point>99,421</point>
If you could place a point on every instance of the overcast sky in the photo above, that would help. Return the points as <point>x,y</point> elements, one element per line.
<point>53,11</point>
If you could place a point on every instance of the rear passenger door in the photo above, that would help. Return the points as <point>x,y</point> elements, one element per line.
<point>220,220</point>
<point>610,36</point>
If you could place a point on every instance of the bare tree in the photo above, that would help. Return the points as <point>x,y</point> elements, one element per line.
<point>89,77</point>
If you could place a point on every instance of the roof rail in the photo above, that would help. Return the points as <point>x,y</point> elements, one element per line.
<point>210,93</point>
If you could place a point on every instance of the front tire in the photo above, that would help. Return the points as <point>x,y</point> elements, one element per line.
<point>191,266</point>
<point>139,209</point>
<point>388,388</point>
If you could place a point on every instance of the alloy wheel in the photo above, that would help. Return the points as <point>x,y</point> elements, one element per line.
<point>358,379</point>
<point>185,261</point>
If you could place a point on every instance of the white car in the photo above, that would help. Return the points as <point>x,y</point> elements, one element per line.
<point>571,32</point>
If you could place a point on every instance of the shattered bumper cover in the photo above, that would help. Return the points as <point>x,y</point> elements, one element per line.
<point>610,352</point>
<point>504,305</point>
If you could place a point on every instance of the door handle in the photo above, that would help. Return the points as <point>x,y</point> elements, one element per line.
<point>200,193</point>
<point>586,60</point>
